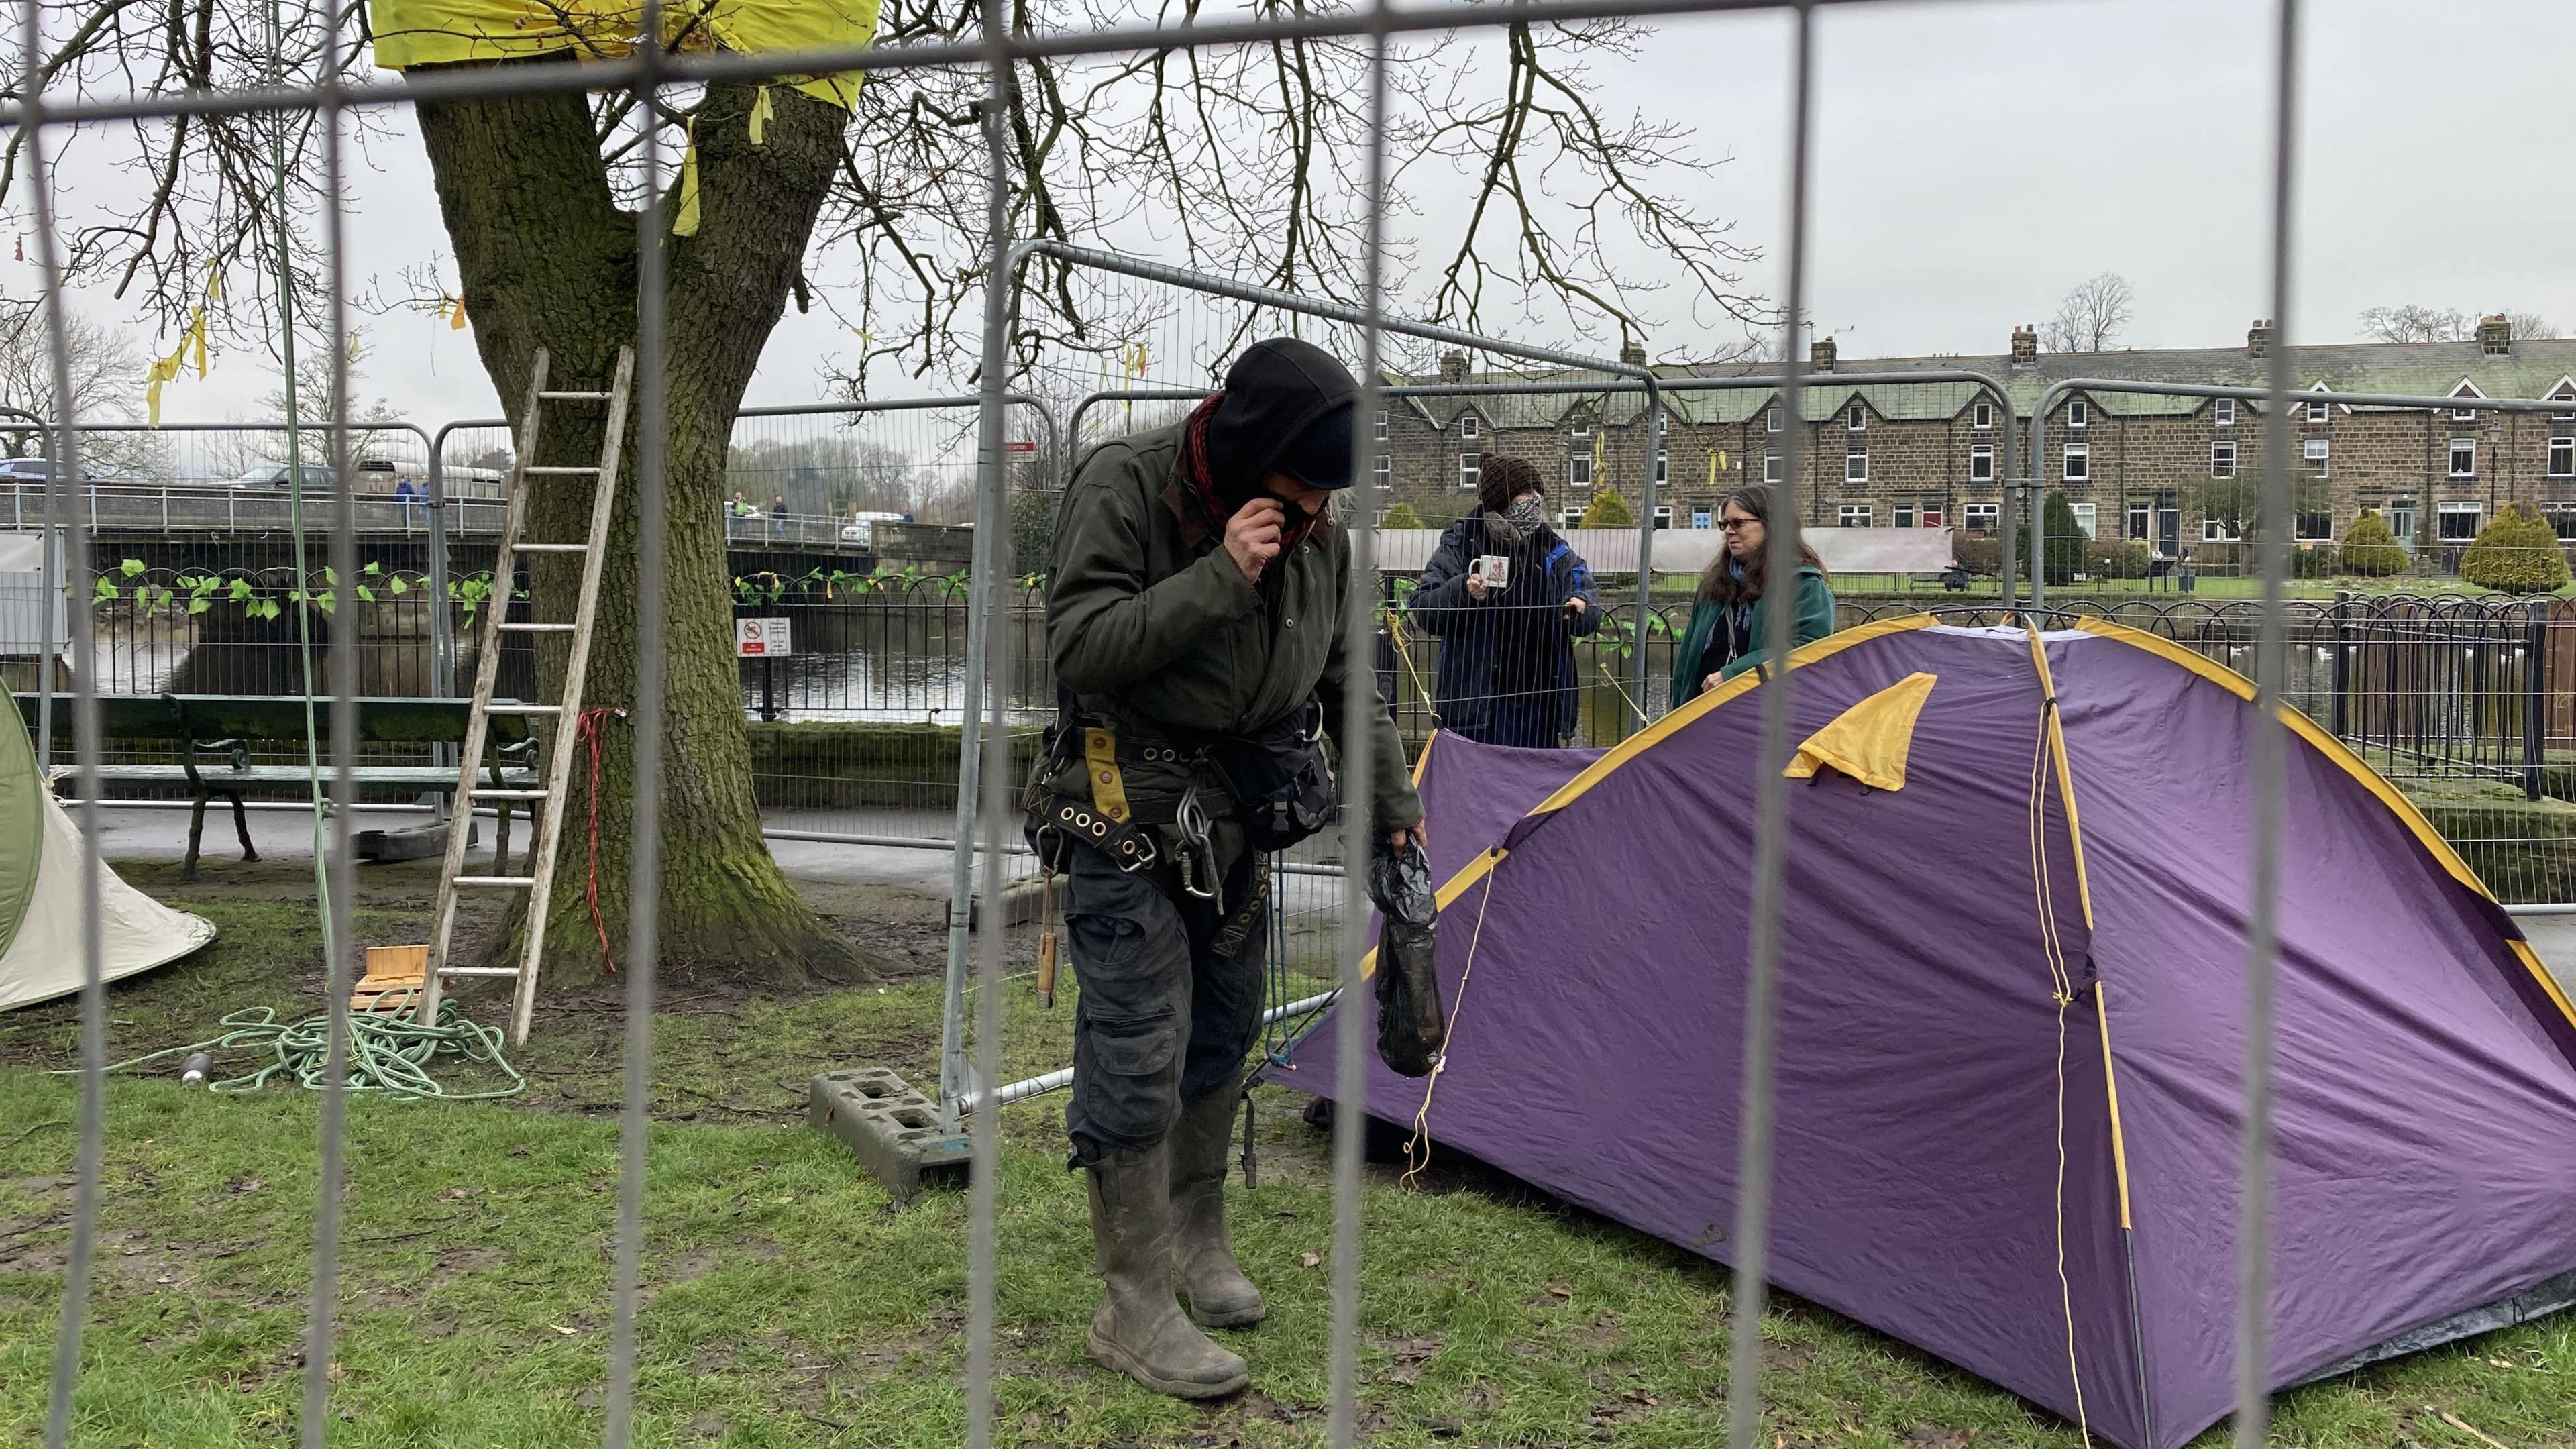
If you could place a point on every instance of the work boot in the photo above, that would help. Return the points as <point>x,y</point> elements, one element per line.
<point>1139,1328</point>
<point>1218,1293</point>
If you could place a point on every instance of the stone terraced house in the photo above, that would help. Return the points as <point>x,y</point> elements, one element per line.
<point>2170,473</point>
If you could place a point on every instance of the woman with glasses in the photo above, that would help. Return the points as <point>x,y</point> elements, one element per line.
<point>1508,597</point>
<point>1731,619</point>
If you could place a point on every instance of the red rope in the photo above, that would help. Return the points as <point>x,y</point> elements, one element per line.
<point>592,725</point>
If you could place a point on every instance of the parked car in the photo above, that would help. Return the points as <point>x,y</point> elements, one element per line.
<point>317,478</point>
<point>27,470</point>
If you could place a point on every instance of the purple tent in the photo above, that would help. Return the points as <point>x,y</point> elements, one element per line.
<point>2012,987</point>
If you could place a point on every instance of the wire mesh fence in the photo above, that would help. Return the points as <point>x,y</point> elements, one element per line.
<point>906,665</point>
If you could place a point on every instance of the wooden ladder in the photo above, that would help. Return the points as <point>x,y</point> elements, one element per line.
<point>546,804</point>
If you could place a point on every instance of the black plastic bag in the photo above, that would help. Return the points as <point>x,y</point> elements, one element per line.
<point>1410,1031</point>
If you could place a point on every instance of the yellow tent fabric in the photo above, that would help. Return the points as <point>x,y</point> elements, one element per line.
<point>1868,741</point>
<point>439,32</point>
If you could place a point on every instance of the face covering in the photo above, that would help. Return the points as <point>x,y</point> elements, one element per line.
<point>1529,513</point>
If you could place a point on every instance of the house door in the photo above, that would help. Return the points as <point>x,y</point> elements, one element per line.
<point>2401,521</point>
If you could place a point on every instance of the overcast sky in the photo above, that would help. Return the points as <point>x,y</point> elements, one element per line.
<point>1973,162</point>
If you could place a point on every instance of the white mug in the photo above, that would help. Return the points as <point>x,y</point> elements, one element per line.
<point>1496,570</point>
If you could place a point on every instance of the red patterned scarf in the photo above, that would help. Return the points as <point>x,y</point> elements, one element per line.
<point>1200,478</point>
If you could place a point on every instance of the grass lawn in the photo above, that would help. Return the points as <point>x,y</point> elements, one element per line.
<point>789,1304</point>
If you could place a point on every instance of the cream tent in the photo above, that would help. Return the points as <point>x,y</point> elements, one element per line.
<point>40,894</point>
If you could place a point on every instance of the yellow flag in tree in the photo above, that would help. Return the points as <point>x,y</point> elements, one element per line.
<point>684,222</point>
<point>761,111</point>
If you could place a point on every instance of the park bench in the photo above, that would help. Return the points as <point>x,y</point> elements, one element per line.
<point>214,735</point>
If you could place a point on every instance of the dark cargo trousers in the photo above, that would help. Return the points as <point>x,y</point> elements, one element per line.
<point>1161,1018</point>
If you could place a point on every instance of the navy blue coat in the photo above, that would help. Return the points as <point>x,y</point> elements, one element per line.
<point>1506,674</point>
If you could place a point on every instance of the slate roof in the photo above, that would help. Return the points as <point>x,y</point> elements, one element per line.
<point>2533,369</point>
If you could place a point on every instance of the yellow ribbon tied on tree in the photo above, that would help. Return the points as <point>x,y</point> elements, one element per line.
<point>445,32</point>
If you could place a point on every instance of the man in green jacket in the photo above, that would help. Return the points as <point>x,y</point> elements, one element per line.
<point>1195,622</point>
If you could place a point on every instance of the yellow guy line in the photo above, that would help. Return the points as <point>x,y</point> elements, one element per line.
<point>2061,989</point>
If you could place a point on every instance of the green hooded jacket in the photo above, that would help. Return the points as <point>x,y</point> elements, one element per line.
<point>1690,661</point>
<point>1152,626</point>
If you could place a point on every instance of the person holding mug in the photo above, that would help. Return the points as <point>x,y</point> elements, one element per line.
<point>1508,596</point>
<point>1730,619</point>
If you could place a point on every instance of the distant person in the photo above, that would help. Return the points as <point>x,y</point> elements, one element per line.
<point>1508,597</point>
<point>777,512</point>
<point>1955,577</point>
<point>1731,619</point>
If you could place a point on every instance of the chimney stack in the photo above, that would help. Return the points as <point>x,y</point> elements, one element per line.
<point>1453,367</point>
<point>1633,353</point>
<point>2025,346</point>
<point>2495,336</point>
<point>2258,338</point>
<point>1820,355</point>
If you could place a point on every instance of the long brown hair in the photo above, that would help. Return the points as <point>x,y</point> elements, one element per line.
<point>1718,582</point>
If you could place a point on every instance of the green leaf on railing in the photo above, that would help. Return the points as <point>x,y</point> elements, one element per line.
<point>105,591</point>
<point>366,595</point>
<point>131,567</point>
<point>372,570</point>
<point>199,605</point>
<point>241,591</point>
<point>330,576</point>
<point>398,585</point>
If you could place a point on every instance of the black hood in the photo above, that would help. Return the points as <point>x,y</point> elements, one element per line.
<point>1276,392</point>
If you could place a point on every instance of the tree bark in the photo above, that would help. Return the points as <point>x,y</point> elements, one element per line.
<point>547,260</point>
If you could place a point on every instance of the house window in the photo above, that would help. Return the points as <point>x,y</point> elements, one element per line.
<point>1855,467</point>
<point>2464,457</point>
<point>2222,460</point>
<point>1385,469</point>
<point>2086,515</point>
<point>1381,425</point>
<point>2216,530</point>
<point>1466,425</point>
<point>2315,525</point>
<point>2460,522</point>
<point>1985,415</point>
<point>1856,418</point>
<point>2565,396</point>
<point>1700,518</point>
<point>2224,415</point>
<point>2079,461</point>
<point>1581,433</point>
<point>2562,521</point>
<point>1471,470</point>
<point>2465,415</point>
<point>1980,517</point>
<point>2562,457</point>
<point>1771,466</point>
<point>2077,414</point>
<point>1663,460</point>
<point>1569,518</point>
<point>2141,518</point>
<point>2319,453</point>
<point>1901,516</point>
<point>1852,515</point>
<point>2317,411</point>
<point>1981,462</point>
<point>1578,471</point>
<point>1771,419</point>
<point>1663,515</point>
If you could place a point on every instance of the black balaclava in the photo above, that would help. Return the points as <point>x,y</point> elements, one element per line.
<point>1274,393</point>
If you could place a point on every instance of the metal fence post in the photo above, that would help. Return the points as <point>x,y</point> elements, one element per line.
<point>2340,707</point>
<point>2535,697</point>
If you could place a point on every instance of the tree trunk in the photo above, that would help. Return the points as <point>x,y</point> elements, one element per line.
<point>548,260</point>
